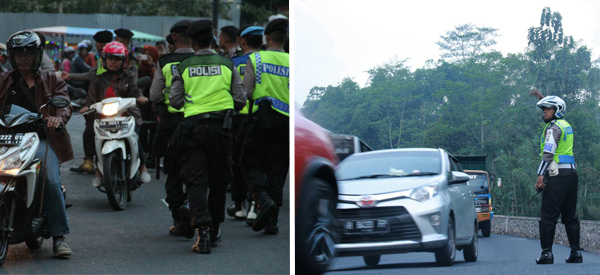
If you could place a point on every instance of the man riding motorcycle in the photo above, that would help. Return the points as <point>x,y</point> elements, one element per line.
<point>117,81</point>
<point>29,87</point>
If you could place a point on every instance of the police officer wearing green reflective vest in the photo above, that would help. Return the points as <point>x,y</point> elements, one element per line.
<point>557,177</point>
<point>250,42</point>
<point>265,157</point>
<point>169,119</point>
<point>207,86</point>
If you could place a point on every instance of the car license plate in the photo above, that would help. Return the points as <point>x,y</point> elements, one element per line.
<point>11,139</point>
<point>367,226</point>
<point>114,124</point>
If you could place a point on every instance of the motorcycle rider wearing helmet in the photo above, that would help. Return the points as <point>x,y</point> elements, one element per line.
<point>557,177</point>
<point>115,82</point>
<point>30,87</point>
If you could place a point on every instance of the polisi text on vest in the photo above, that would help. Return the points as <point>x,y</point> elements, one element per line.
<point>205,70</point>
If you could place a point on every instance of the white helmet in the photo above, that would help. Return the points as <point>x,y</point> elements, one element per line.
<point>554,102</point>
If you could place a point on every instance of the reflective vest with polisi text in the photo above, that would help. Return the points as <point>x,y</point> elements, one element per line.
<point>564,149</point>
<point>240,65</point>
<point>207,84</point>
<point>168,63</point>
<point>272,83</point>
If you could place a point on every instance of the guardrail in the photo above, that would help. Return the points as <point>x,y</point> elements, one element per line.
<point>529,228</point>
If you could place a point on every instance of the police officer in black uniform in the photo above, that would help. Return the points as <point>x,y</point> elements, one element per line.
<point>265,157</point>
<point>207,86</point>
<point>168,122</point>
<point>557,177</point>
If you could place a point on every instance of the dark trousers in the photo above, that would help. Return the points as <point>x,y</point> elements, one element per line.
<point>265,158</point>
<point>239,187</point>
<point>206,164</point>
<point>174,184</point>
<point>560,198</point>
<point>89,148</point>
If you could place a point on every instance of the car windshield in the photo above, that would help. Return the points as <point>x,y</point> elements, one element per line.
<point>10,112</point>
<point>390,164</point>
<point>478,180</point>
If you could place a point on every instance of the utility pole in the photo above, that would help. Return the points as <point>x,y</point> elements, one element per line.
<point>216,15</point>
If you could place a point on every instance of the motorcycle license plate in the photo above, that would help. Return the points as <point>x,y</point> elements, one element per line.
<point>115,124</point>
<point>367,226</point>
<point>11,139</point>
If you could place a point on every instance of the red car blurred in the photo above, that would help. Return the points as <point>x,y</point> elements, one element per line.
<point>316,197</point>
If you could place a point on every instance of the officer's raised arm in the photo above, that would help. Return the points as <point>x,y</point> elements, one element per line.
<point>177,91</point>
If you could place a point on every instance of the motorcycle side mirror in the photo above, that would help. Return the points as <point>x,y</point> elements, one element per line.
<point>143,82</point>
<point>59,102</point>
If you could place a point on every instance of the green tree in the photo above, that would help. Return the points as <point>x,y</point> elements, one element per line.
<point>466,41</point>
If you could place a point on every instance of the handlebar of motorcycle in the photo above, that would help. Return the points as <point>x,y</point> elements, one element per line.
<point>43,123</point>
<point>88,112</point>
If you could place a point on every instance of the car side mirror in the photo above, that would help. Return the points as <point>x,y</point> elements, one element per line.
<point>59,102</point>
<point>459,177</point>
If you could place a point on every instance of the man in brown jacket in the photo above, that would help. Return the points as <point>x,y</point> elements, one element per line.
<point>29,87</point>
<point>117,81</point>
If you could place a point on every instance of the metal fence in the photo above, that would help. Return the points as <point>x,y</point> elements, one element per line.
<point>157,25</point>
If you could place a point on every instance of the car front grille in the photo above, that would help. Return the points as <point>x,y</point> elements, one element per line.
<point>402,226</point>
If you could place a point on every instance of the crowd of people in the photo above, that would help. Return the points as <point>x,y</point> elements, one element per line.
<point>216,114</point>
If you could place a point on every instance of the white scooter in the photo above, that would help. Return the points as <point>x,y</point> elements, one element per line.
<point>21,184</point>
<point>117,149</point>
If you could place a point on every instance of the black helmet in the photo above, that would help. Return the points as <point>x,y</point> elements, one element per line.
<point>25,41</point>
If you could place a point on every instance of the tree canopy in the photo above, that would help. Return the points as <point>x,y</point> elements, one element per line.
<point>475,101</point>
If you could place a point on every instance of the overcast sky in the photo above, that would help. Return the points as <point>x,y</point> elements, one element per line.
<point>334,39</point>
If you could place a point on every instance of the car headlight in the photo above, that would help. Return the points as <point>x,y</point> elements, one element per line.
<point>110,109</point>
<point>426,192</point>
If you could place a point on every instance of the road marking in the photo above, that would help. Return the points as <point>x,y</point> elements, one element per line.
<point>165,202</point>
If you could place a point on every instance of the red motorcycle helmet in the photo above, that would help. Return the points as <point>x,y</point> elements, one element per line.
<point>115,49</point>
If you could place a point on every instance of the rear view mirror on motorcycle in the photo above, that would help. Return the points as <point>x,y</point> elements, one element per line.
<point>144,81</point>
<point>59,102</point>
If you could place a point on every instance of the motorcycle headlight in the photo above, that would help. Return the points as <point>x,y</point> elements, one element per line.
<point>110,109</point>
<point>11,165</point>
<point>426,192</point>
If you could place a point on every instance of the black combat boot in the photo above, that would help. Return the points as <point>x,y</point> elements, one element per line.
<point>203,243</point>
<point>186,221</point>
<point>266,209</point>
<point>573,236</point>
<point>272,228</point>
<point>175,229</point>
<point>215,234</point>
<point>546,240</point>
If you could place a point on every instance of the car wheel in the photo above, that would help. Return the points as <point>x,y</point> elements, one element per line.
<point>486,228</point>
<point>372,260</point>
<point>315,227</point>
<point>470,252</point>
<point>445,256</point>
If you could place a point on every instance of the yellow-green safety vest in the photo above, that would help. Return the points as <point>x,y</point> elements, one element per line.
<point>168,63</point>
<point>564,150</point>
<point>240,68</point>
<point>272,83</point>
<point>207,84</point>
<point>100,69</point>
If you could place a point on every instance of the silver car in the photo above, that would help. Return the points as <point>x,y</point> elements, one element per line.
<point>405,200</point>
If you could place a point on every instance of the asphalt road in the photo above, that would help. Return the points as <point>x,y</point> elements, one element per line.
<point>498,254</point>
<point>136,241</point>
